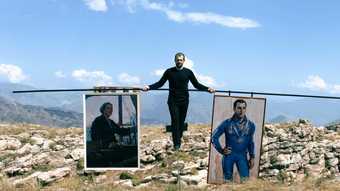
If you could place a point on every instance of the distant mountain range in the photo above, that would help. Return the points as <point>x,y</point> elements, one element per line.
<point>13,112</point>
<point>68,101</point>
<point>155,110</point>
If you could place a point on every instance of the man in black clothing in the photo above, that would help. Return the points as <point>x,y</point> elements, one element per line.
<point>178,99</point>
<point>103,129</point>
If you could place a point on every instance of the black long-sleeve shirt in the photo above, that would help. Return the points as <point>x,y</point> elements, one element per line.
<point>178,84</point>
<point>103,129</point>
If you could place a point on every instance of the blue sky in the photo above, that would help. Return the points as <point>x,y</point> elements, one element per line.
<point>283,46</point>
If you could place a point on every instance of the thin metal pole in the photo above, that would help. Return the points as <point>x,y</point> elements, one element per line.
<point>120,110</point>
<point>166,89</point>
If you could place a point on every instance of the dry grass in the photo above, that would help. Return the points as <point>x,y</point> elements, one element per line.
<point>48,132</point>
<point>332,137</point>
<point>6,185</point>
<point>71,183</point>
<point>149,133</point>
<point>158,131</point>
<point>256,185</point>
<point>88,183</point>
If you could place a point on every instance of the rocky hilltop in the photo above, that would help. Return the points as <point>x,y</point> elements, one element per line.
<point>294,156</point>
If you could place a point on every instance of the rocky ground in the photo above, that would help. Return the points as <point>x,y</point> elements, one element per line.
<point>295,156</point>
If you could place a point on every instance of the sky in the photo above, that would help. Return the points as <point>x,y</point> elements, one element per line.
<point>285,46</point>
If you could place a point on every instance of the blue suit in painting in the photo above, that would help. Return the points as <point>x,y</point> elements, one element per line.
<point>239,139</point>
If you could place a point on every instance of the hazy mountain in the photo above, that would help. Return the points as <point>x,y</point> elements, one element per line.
<point>335,122</point>
<point>68,101</point>
<point>155,109</point>
<point>13,112</point>
<point>318,111</point>
<point>279,119</point>
<point>154,106</point>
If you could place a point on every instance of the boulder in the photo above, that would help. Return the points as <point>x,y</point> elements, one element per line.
<point>51,176</point>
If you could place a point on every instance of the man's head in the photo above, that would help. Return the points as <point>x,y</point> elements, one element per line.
<point>106,109</point>
<point>240,107</point>
<point>179,59</point>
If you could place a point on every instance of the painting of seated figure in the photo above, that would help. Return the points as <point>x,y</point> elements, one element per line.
<point>111,131</point>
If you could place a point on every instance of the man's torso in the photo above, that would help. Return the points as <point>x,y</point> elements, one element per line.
<point>236,136</point>
<point>178,84</point>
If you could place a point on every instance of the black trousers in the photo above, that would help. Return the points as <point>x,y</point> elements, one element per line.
<point>178,113</point>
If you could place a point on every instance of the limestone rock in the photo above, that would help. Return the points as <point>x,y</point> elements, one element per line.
<point>54,175</point>
<point>9,143</point>
<point>147,159</point>
<point>77,154</point>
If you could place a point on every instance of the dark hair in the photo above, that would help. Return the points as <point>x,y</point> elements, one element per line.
<point>239,101</point>
<point>102,108</point>
<point>179,54</point>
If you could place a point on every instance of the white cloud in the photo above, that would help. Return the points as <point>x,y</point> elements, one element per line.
<point>188,63</point>
<point>207,80</point>
<point>335,89</point>
<point>193,17</point>
<point>183,5</point>
<point>204,79</point>
<point>96,5</point>
<point>131,5</point>
<point>226,21</point>
<point>60,74</point>
<point>158,72</point>
<point>98,78</point>
<point>125,78</point>
<point>12,72</point>
<point>316,83</point>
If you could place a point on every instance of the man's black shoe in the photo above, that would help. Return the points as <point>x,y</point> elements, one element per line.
<point>177,147</point>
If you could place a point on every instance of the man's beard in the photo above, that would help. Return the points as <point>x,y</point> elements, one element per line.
<point>239,116</point>
<point>179,65</point>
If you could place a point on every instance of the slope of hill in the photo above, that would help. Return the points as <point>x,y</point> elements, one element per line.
<point>13,112</point>
<point>68,101</point>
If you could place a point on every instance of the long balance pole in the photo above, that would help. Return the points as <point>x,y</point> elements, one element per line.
<point>166,89</point>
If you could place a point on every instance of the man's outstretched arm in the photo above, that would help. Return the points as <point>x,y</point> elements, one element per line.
<point>198,85</point>
<point>158,84</point>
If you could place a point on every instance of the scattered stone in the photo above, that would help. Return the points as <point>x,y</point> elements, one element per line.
<point>46,144</point>
<point>126,183</point>
<point>25,149</point>
<point>146,179</point>
<point>195,179</point>
<point>171,180</point>
<point>100,179</point>
<point>148,159</point>
<point>58,147</point>
<point>51,176</point>
<point>9,143</point>
<point>35,149</point>
<point>77,154</point>
<point>329,155</point>
<point>332,162</point>
<point>38,140</point>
